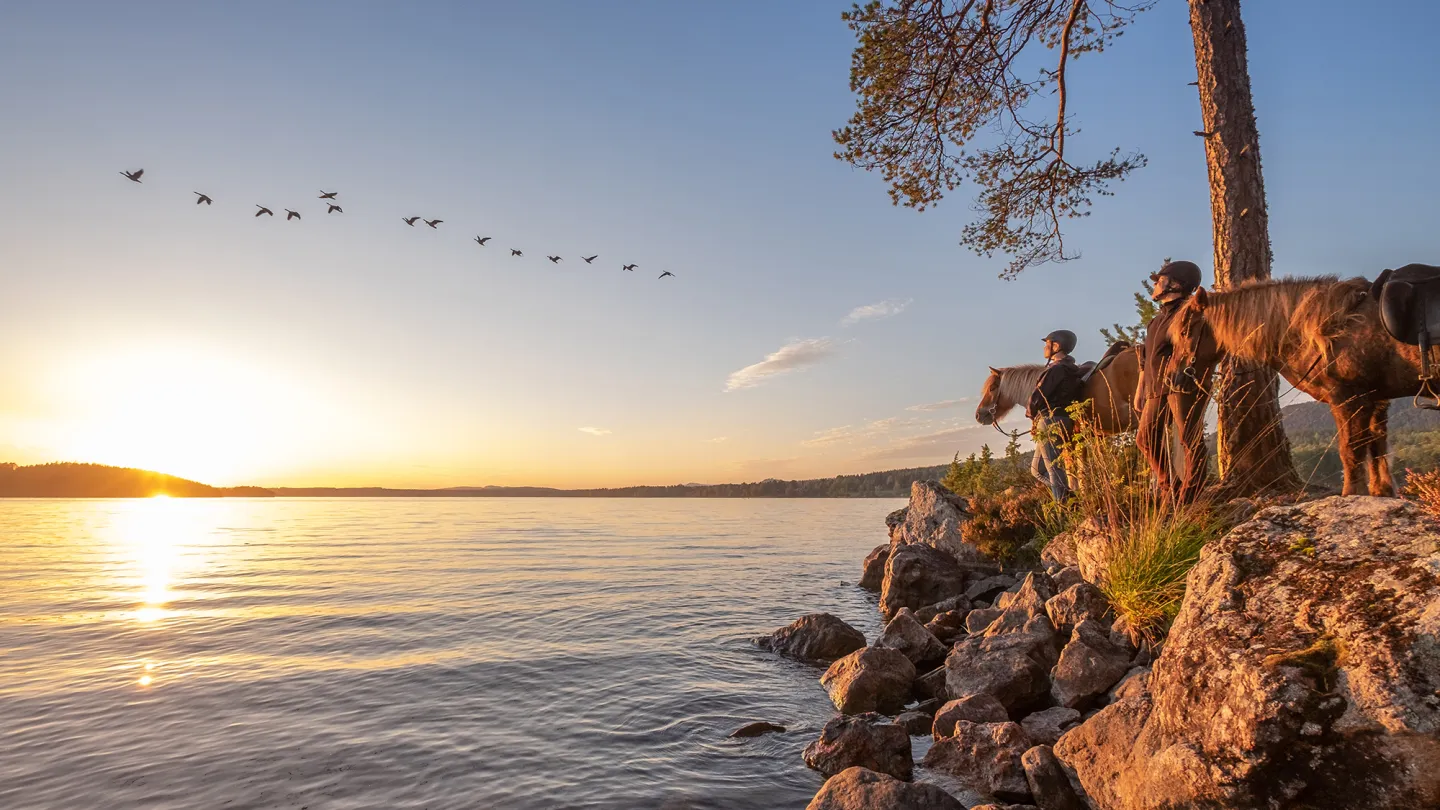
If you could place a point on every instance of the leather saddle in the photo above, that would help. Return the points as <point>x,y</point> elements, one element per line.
<point>1409,301</point>
<point>1088,370</point>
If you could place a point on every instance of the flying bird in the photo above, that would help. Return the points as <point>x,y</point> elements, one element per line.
<point>264,210</point>
<point>628,266</point>
<point>514,252</point>
<point>202,198</point>
<point>666,273</point>
<point>334,209</point>
<point>481,242</point>
<point>135,175</point>
<point>555,259</point>
<point>289,215</point>
<point>591,258</point>
<point>327,195</point>
<point>409,220</point>
<point>433,222</point>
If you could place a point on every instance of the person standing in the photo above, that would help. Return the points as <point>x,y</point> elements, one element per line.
<point>1169,400</point>
<point>1059,386</point>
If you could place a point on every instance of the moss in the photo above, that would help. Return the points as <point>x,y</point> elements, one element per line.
<point>1302,544</point>
<point>1321,660</point>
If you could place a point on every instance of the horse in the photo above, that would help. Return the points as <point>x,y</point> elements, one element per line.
<point>1110,391</point>
<point>1325,337</point>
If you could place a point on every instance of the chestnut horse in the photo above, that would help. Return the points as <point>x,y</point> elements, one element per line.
<point>1111,390</point>
<point>1324,336</point>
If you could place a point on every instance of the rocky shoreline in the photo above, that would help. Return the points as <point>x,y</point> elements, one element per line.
<point>1303,670</point>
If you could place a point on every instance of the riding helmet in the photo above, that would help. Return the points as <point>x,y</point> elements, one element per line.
<point>1185,274</point>
<point>1065,338</point>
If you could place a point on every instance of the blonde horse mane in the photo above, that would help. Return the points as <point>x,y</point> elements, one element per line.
<point>1263,321</point>
<point>1016,385</point>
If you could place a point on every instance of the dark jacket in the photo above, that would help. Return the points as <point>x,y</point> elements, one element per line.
<point>1159,347</point>
<point>1058,387</point>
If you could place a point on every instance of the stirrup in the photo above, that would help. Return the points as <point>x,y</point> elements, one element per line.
<point>1426,378</point>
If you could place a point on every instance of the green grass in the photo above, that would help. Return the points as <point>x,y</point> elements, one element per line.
<point>1151,555</point>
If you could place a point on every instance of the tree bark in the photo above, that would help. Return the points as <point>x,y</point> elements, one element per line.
<point>1253,452</point>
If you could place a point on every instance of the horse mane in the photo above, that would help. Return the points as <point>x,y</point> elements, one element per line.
<point>1261,320</point>
<point>1017,383</point>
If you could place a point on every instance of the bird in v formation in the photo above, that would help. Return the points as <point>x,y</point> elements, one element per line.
<point>334,208</point>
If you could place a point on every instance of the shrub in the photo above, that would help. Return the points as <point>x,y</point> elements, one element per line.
<point>1147,563</point>
<point>1002,525</point>
<point>1425,489</point>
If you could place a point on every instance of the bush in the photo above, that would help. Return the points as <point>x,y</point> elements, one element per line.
<point>1003,524</point>
<point>1425,489</point>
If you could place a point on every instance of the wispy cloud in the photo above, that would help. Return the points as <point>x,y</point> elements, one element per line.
<point>851,433</point>
<point>594,431</point>
<point>937,446</point>
<point>942,405</point>
<point>793,356</point>
<point>718,440</point>
<point>872,312</point>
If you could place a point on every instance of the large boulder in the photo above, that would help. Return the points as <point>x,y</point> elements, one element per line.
<point>861,789</point>
<point>872,574</point>
<point>1092,544</point>
<point>948,626</point>
<point>978,621</point>
<point>987,588</point>
<point>985,757</point>
<point>972,708</point>
<point>1075,604</point>
<point>895,520</point>
<point>1049,786</point>
<point>935,518</point>
<point>1022,605</point>
<point>1045,727</point>
<point>1012,666</point>
<point>866,740</point>
<point>874,679</point>
<point>1089,665</point>
<point>1302,671</point>
<point>909,636</point>
<point>918,575</point>
<point>814,637</point>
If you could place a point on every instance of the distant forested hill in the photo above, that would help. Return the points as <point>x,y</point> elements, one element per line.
<point>1414,440</point>
<point>70,480</point>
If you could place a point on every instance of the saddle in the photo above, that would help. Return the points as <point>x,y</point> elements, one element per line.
<point>1409,301</point>
<point>1089,369</point>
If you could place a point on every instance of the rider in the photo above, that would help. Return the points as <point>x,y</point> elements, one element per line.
<point>1059,385</point>
<point>1166,403</point>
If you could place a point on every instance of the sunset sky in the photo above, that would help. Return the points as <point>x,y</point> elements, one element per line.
<point>811,329</point>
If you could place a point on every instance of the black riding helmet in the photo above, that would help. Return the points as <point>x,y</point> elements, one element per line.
<point>1065,338</point>
<point>1186,275</point>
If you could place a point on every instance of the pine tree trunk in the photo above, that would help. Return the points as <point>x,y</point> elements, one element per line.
<point>1252,450</point>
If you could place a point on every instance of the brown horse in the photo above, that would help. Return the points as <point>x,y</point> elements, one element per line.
<point>1110,391</point>
<point>1324,336</point>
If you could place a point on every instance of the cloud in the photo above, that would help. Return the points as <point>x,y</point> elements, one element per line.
<point>939,446</point>
<point>942,405</point>
<point>594,431</point>
<point>872,312</point>
<point>718,440</point>
<point>792,356</point>
<point>850,433</point>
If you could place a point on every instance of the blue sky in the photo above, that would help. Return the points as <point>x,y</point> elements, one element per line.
<point>140,329</point>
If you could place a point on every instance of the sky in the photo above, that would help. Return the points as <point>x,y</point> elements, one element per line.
<point>811,328</point>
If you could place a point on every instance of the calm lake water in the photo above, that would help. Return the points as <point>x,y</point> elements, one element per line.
<point>428,653</point>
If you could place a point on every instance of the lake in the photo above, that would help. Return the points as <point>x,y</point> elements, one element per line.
<point>425,653</point>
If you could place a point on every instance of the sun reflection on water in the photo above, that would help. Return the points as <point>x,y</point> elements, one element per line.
<point>161,538</point>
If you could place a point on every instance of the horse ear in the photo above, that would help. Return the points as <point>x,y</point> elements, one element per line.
<point>994,370</point>
<point>1200,298</point>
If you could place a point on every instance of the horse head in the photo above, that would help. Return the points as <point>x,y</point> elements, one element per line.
<point>1194,350</point>
<point>987,412</point>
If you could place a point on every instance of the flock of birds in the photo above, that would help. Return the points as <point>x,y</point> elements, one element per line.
<point>330,198</point>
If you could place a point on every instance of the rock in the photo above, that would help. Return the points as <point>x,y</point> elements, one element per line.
<point>1066,577</point>
<point>1049,787</point>
<point>1004,807</point>
<point>1135,682</point>
<point>1302,670</point>
<point>978,621</point>
<point>957,602</point>
<point>1089,665</point>
<point>916,724</point>
<point>814,637</point>
<point>866,740</point>
<point>947,627</point>
<point>1060,550</point>
<point>929,707</point>
<point>1092,549</point>
<point>973,709</point>
<point>756,729</point>
<point>916,576</point>
<point>931,685</point>
<point>935,518</point>
<point>873,570</point>
<point>1076,604</point>
<point>987,588</point>
<point>861,789</point>
<point>985,757</point>
<point>1045,727</point>
<point>874,679</point>
<point>1011,667</point>
<point>910,637</point>
<point>1027,602</point>
<point>894,521</point>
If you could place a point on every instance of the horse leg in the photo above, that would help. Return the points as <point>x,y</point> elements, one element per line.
<point>1352,440</point>
<point>1150,439</point>
<point>1188,413</point>
<point>1381,483</point>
